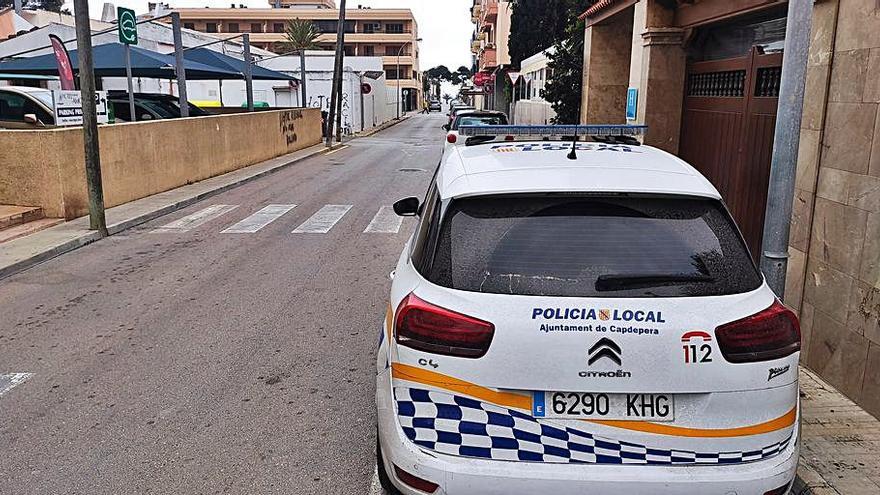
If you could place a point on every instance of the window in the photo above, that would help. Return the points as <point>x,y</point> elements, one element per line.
<point>232,27</point>
<point>395,28</point>
<point>189,25</point>
<point>325,26</point>
<point>391,73</point>
<point>372,27</point>
<point>348,50</point>
<point>13,108</point>
<point>278,27</point>
<point>211,27</point>
<point>487,119</point>
<point>256,27</point>
<point>591,246</point>
<point>367,50</point>
<point>392,50</point>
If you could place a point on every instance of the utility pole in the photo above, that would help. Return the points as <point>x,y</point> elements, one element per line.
<point>179,67</point>
<point>302,76</point>
<point>337,73</point>
<point>97,221</point>
<point>783,163</point>
<point>248,71</point>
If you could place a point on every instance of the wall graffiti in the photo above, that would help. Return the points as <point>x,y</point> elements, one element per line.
<point>287,124</point>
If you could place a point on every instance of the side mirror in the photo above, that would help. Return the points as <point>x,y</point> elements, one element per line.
<point>445,127</point>
<point>407,207</point>
<point>31,118</point>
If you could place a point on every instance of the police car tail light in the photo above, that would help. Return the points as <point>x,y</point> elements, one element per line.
<point>451,138</point>
<point>426,327</point>
<point>770,334</point>
<point>414,481</point>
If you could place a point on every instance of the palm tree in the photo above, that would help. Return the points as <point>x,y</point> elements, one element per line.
<point>301,35</point>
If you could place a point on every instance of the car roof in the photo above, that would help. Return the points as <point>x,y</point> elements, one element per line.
<point>524,167</point>
<point>481,112</point>
<point>25,89</point>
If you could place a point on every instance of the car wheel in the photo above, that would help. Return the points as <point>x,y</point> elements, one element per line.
<point>384,479</point>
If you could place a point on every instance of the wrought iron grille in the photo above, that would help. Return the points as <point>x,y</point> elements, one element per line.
<point>729,83</point>
<point>767,84</point>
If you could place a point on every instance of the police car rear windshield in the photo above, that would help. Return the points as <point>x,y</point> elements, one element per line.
<point>606,246</point>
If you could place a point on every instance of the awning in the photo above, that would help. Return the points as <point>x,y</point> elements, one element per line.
<point>109,60</point>
<point>216,59</point>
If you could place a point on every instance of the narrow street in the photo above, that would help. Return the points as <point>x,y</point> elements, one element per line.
<point>213,350</point>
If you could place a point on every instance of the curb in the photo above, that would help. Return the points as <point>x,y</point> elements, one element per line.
<point>118,227</point>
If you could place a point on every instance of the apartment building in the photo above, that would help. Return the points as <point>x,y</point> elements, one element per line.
<point>490,49</point>
<point>388,33</point>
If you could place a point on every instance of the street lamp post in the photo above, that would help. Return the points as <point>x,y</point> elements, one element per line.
<point>399,52</point>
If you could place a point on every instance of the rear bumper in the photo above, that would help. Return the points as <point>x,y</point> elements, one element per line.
<point>464,475</point>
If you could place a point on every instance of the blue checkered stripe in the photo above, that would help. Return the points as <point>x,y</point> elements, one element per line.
<point>456,425</point>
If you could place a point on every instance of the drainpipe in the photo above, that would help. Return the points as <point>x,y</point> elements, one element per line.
<point>783,164</point>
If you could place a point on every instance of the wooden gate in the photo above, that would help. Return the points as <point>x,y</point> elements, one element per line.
<point>727,132</point>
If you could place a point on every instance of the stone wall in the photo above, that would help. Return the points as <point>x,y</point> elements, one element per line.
<point>45,167</point>
<point>834,272</point>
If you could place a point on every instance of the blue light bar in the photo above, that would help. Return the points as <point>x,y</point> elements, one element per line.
<point>553,130</point>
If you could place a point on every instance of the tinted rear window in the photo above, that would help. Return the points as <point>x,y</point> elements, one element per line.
<point>591,247</point>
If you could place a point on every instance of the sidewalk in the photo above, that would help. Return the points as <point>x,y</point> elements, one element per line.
<point>840,450</point>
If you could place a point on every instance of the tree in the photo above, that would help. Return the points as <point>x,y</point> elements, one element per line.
<point>536,25</point>
<point>563,89</point>
<point>301,35</point>
<point>460,76</point>
<point>50,5</point>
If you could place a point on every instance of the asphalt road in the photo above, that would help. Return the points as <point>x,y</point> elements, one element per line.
<point>178,358</point>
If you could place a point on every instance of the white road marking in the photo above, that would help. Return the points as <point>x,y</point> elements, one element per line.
<point>259,219</point>
<point>8,381</point>
<point>323,220</point>
<point>198,218</point>
<point>385,222</point>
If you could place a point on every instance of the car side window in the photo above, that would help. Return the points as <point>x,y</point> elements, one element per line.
<point>12,107</point>
<point>427,224</point>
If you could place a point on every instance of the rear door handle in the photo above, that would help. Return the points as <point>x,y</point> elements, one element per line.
<point>391,275</point>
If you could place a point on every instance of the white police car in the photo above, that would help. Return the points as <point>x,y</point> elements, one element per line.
<point>586,322</point>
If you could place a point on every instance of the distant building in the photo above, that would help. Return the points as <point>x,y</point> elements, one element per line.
<point>490,49</point>
<point>530,106</point>
<point>388,33</point>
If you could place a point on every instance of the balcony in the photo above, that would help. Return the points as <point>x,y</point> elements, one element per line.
<point>490,14</point>
<point>475,46</point>
<point>488,59</point>
<point>476,12</point>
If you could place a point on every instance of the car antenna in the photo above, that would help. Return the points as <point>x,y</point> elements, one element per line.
<point>572,155</point>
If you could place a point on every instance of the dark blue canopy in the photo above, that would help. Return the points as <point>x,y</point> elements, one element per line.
<point>217,59</point>
<point>109,60</point>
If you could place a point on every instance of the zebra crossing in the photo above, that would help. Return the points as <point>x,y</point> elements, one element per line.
<point>322,221</point>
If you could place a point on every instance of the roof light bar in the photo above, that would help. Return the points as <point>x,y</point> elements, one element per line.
<point>553,130</point>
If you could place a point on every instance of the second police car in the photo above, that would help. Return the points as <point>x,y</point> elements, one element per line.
<point>581,319</point>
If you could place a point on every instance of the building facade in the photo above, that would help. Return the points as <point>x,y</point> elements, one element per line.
<point>704,75</point>
<point>388,33</point>
<point>490,49</point>
<point>530,107</point>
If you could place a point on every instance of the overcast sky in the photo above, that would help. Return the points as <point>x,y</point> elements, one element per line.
<point>444,25</point>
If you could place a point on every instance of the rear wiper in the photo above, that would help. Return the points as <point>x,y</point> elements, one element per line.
<point>621,281</point>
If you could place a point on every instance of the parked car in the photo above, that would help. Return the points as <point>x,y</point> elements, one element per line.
<point>581,317</point>
<point>149,106</point>
<point>472,118</point>
<point>455,110</point>
<point>435,106</point>
<point>23,107</point>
